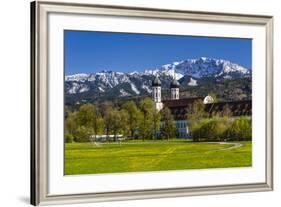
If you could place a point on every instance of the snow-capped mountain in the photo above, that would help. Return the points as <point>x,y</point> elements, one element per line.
<point>205,67</point>
<point>198,68</point>
<point>139,83</point>
<point>106,80</point>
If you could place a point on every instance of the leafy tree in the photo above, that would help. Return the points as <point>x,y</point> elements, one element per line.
<point>83,134</point>
<point>156,118</point>
<point>226,112</point>
<point>194,129</point>
<point>85,115</point>
<point>70,127</point>
<point>119,121</point>
<point>71,123</point>
<point>214,96</point>
<point>196,111</point>
<point>134,117</point>
<point>90,119</point>
<point>146,125</point>
<point>213,130</point>
<point>98,123</point>
<point>108,119</point>
<point>125,130</point>
<point>240,129</point>
<point>104,106</point>
<point>195,114</point>
<point>168,130</point>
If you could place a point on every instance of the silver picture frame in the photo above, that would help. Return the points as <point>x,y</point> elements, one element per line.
<point>39,100</point>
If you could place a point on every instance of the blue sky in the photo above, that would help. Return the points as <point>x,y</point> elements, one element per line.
<point>87,52</point>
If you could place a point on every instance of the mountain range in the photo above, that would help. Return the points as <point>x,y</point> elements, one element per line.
<point>199,75</point>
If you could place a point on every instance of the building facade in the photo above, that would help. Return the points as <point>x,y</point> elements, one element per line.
<point>179,107</point>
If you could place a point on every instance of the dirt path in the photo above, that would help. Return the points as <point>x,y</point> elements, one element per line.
<point>234,145</point>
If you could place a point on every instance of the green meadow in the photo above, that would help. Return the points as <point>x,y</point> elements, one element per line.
<point>143,156</point>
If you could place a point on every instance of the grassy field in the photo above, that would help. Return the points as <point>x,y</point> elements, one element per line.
<point>138,156</point>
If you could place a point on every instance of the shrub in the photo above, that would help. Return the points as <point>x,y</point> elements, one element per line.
<point>210,129</point>
<point>214,130</point>
<point>68,138</point>
<point>195,129</point>
<point>240,129</point>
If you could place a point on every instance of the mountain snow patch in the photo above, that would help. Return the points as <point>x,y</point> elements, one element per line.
<point>101,89</point>
<point>124,93</point>
<point>148,89</point>
<point>178,76</point>
<point>84,88</point>
<point>134,88</point>
<point>77,77</point>
<point>78,88</point>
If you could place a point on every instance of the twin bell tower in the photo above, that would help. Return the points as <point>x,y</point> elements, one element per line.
<point>156,92</point>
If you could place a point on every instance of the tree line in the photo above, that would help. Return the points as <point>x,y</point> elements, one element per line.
<point>219,126</point>
<point>134,120</point>
<point>140,120</point>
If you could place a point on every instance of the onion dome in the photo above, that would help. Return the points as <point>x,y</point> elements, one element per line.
<point>156,82</point>
<point>174,84</point>
<point>208,99</point>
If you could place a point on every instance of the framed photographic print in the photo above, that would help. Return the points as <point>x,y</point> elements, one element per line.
<point>135,103</point>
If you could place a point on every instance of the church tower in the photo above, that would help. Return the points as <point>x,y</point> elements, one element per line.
<point>175,90</point>
<point>156,93</point>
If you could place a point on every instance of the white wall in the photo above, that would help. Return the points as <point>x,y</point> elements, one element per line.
<point>14,104</point>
